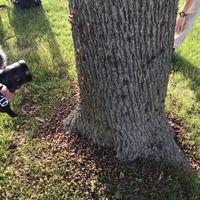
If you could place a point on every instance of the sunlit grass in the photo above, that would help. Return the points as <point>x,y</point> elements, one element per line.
<point>184,86</point>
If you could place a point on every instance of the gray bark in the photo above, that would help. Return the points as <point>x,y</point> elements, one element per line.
<point>123,50</point>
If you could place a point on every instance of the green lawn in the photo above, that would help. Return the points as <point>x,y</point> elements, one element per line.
<point>58,166</point>
<point>184,87</point>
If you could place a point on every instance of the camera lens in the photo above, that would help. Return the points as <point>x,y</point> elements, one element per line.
<point>24,68</point>
<point>15,75</point>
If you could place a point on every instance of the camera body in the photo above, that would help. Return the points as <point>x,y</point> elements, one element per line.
<point>15,75</point>
<point>12,76</point>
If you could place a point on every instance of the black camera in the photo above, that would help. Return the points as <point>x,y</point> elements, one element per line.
<point>15,75</point>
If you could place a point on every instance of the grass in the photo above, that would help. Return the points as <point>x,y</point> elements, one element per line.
<point>62,166</point>
<point>183,90</point>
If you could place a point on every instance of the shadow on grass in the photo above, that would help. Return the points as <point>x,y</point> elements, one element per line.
<point>32,27</point>
<point>2,35</point>
<point>189,71</point>
<point>36,42</point>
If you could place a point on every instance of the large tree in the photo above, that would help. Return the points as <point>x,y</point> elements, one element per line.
<point>123,50</point>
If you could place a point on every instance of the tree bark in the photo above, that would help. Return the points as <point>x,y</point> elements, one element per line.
<point>123,50</point>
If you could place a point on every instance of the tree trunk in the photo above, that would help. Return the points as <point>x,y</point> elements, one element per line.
<point>123,50</point>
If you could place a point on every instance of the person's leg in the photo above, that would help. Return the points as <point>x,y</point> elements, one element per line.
<point>190,21</point>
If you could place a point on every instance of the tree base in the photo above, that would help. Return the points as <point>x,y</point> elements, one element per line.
<point>157,144</point>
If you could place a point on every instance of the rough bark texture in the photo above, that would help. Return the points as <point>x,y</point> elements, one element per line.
<point>123,50</point>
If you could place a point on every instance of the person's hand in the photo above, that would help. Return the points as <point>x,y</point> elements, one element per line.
<point>6,92</point>
<point>180,23</point>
